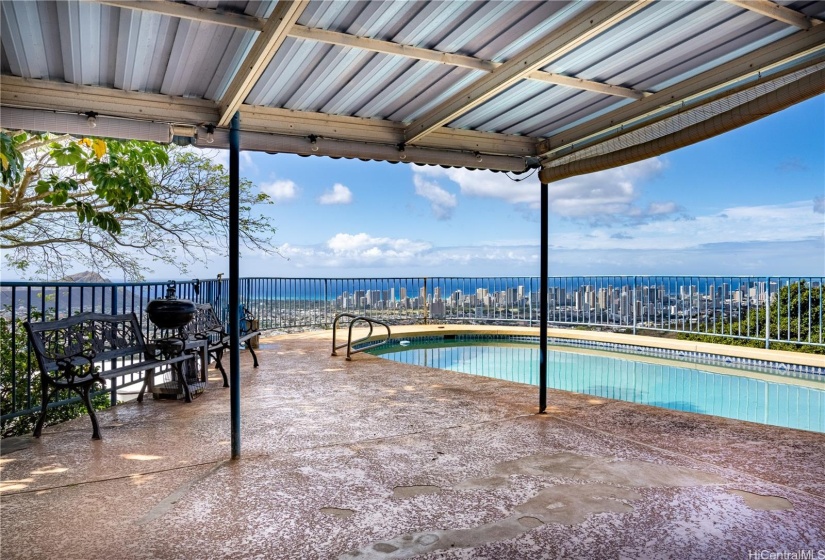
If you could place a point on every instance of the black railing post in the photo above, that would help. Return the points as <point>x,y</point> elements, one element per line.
<point>234,286</point>
<point>543,287</point>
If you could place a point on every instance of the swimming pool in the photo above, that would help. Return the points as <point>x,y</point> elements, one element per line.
<point>739,394</point>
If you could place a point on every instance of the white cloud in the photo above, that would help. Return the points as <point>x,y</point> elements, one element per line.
<point>280,190</point>
<point>613,193</point>
<point>485,184</point>
<point>338,195</point>
<point>792,222</point>
<point>345,250</point>
<point>442,202</point>
<point>402,256</point>
<point>819,204</point>
<point>656,208</point>
<point>755,240</point>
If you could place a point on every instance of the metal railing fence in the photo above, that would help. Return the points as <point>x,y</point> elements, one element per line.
<point>776,311</point>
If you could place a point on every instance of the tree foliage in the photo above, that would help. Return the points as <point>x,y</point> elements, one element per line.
<point>107,204</point>
<point>795,314</point>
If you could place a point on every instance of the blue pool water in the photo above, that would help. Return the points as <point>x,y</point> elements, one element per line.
<point>674,385</point>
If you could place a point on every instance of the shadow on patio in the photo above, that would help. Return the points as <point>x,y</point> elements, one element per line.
<point>375,459</point>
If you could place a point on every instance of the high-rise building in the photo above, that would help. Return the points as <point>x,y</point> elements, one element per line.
<point>438,309</point>
<point>601,299</point>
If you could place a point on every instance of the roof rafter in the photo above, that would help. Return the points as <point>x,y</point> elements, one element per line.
<point>587,85</point>
<point>462,61</point>
<point>593,21</point>
<point>797,46</point>
<point>777,12</point>
<point>283,17</point>
<point>242,21</point>
<point>187,11</point>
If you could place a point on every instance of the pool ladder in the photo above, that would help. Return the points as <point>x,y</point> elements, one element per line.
<point>349,343</point>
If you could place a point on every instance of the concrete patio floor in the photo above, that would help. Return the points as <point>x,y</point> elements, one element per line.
<point>375,459</point>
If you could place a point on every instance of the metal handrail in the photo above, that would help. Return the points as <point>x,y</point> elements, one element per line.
<point>349,343</point>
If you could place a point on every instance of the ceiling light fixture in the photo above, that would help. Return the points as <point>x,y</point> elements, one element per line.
<point>210,133</point>
<point>91,118</point>
<point>184,130</point>
<point>402,153</point>
<point>314,141</point>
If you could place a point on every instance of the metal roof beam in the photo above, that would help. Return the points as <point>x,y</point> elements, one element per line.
<point>799,45</point>
<point>283,17</point>
<point>71,98</point>
<point>73,123</point>
<point>593,21</point>
<point>144,107</point>
<point>187,11</point>
<point>462,61</point>
<point>777,12</point>
<point>387,47</point>
<point>587,85</point>
<point>766,104</point>
<point>285,121</point>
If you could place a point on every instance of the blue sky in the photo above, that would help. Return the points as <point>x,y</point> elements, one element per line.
<point>749,202</point>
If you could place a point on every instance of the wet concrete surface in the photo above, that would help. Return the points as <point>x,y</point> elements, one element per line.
<point>376,459</point>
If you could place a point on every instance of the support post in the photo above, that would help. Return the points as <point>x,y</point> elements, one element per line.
<point>768,314</point>
<point>543,289</point>
<point>113,395</point>
<point>234,286</point>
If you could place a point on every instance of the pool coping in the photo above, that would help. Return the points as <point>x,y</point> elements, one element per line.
<point>780,362</point>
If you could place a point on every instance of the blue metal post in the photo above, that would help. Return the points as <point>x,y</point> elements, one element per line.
<point>113,395</point>
<point>543,288</point>
<point>234,285</point>
<point>768,314</point>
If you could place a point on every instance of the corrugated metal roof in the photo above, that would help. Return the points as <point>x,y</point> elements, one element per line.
<point>370,71</point>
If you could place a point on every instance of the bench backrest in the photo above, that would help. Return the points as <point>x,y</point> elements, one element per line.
<point>206,324</point>
<point>205,321</point>
<point>85,336</point>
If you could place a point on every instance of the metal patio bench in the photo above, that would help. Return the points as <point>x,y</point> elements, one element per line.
<point>79,351</point>
<point>207,326</point>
